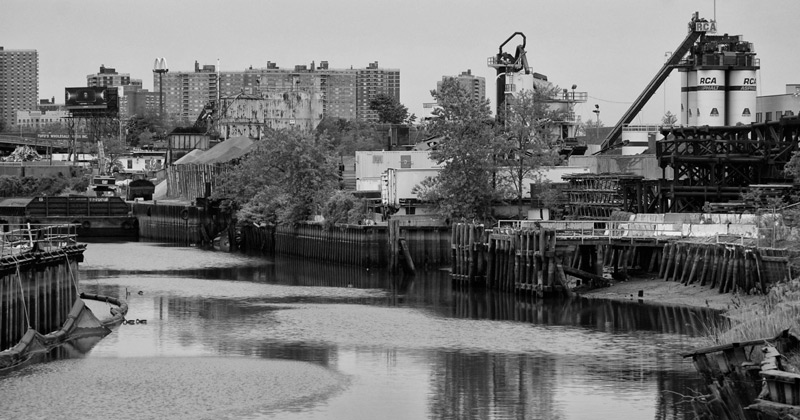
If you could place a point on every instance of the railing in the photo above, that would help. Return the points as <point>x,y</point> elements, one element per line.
<point>600,228</point>
<point>40,237</point>
<point>624,229</point>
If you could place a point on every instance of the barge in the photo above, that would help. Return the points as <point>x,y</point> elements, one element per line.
<point>94,216</point>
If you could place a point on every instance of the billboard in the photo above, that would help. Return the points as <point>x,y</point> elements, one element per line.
<point>91,100</point>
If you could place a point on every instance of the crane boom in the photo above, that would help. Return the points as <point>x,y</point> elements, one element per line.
<point>653,86</point>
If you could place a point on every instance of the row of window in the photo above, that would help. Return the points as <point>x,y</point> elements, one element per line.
<point>778,115</point>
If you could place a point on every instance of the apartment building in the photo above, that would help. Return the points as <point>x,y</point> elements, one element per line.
<point>476,85</point>
<point>19,84</point>
<point>108,76</point>
<point>345,93</point>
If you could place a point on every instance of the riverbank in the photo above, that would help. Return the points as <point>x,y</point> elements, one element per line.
<point>657,291</point>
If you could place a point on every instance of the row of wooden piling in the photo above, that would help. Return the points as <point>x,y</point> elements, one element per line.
<point>727,267</point>
<point>524,259</point>
<point>467,245</point>
<point>521,259</point>
<point>507,259</point>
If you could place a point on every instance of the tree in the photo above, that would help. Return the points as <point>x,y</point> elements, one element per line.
<point>464,187</point>
<point>141,128</point>
<point>388,108</point>
<point>347,137</point>
<point>113,149</point>
<point>669,119</point>
<point>590,129</point>
<point>531,138</point>
<point>284,180</point>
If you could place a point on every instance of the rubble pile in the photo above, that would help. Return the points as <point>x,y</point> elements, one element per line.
<point>23,154</point>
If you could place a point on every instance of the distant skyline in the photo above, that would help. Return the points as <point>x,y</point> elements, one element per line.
<point>610,49</point>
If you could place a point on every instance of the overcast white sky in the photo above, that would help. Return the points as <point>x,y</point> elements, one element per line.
<point>609,48</point>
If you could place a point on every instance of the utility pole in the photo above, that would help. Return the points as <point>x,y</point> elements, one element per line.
<point>597,126</point>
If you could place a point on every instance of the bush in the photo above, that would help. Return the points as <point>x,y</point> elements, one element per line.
<point>344,207</point>
<point>337,208</point>
<point>80,183</point>
<point>14,186</point>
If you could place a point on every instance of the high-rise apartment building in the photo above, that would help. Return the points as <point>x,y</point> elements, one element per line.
<point>108,76</point>
<point>373,81</point>
<point>19,84</point>
<point>345,93</point>
<point>476,85</point>
<point>132,98</point>
<point>187,92</point>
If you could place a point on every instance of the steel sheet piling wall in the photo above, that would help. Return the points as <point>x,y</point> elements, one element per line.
<point>174,223</point>
<point>360,245</point>
<point>352,245</point>
<point>48,292</point>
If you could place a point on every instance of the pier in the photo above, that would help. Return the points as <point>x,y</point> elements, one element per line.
<point>40,301</point>
<point>537,256</point>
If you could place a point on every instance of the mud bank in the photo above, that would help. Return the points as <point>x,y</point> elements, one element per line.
<point>657,291</point>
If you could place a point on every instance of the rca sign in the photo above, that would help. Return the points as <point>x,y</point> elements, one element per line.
<point>707,27</point>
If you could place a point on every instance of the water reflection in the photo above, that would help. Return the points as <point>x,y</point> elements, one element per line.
<point>412,346</point>
<point>601,315</point>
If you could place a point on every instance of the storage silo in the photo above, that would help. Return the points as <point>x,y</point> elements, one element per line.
<point>741,101</point>
<point>692,96</point>
<point>684,98</point>
<point>711,109</point>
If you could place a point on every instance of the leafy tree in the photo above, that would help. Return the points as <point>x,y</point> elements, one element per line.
<point>792,168</point>
<point>531,138</point>
<point>389,109</point>
<point>344,207</point>
<point>349,136</point>
<point>140,129</point>
<point>464,187</point>
<point>113,149</point>
<point>284,180</point>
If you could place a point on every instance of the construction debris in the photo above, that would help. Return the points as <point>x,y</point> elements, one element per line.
<point>23,154</point>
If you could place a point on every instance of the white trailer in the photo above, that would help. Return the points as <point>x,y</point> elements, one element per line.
<point>397,185</point>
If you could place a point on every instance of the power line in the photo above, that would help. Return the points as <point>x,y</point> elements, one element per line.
<point>611,102</point>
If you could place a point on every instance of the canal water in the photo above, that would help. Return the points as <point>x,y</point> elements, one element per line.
<point>228,336</point>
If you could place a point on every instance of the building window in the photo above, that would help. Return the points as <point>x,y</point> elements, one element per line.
<point>768,117</point>
<point>758,117</point>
